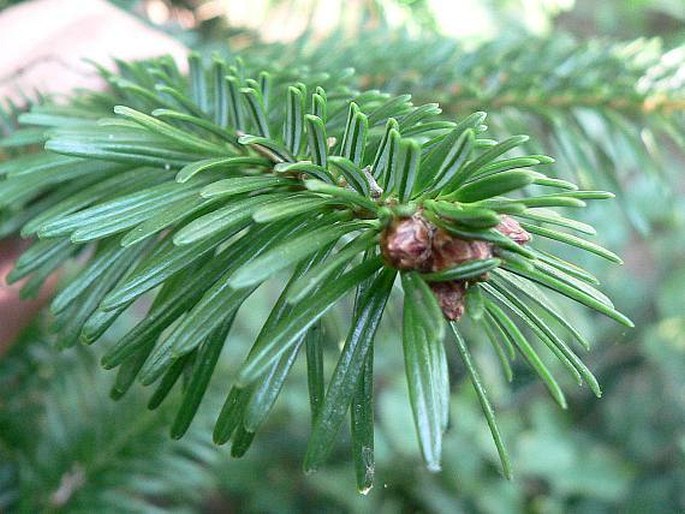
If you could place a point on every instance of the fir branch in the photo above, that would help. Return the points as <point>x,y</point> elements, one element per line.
<point>206,188</point>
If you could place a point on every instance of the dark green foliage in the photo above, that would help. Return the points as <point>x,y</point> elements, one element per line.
<point>205,189</point>
<point>66,442</point>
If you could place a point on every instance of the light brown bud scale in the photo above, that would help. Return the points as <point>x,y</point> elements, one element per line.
<point>413,243</point>
<point>406,243</point>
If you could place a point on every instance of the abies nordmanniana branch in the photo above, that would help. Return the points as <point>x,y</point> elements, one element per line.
<point>203,188</point>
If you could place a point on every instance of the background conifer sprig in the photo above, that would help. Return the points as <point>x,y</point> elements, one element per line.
<point>200,189</point>
<point>50,434</point>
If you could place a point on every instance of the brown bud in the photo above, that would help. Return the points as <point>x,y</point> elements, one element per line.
<point>450,296</point>
<point>406,243</point>
<point>416,244</point>
<point>448,251</point>
<point>509,227</point>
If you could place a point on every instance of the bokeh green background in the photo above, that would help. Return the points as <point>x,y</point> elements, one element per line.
<point>64,445</point>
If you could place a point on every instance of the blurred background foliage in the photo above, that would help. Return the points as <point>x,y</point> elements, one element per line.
<point>65,446</point>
